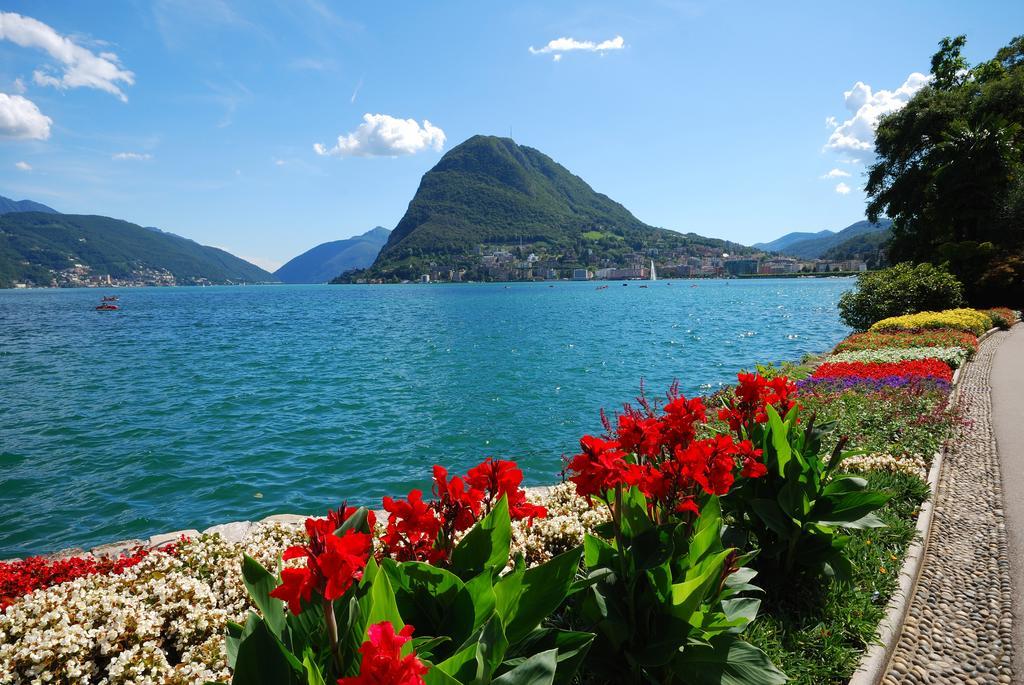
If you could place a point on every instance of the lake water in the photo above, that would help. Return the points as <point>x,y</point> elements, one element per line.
<point>179,410</point>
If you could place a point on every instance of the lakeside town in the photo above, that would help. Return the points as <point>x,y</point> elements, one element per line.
<point>517,264</point>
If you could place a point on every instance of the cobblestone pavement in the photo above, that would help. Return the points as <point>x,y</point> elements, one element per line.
<point>960,627</point>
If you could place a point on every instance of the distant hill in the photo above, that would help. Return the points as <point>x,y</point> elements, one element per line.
<point>7,206</point>
<point>870,247</point>
<point>819,243</point>
<point>34,245</point>
<point>491,192</point>
<point>327,260</point>
<point>780,244</point>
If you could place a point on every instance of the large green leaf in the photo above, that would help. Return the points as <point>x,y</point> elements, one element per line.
<point>841,509</point>
<point>543,589</point>
<point>707,537</point>
<point>424,593</point>
<point>486,545</point>
<point>383,606</point>
<point>689,594</point>
<point>726,661</point>
<point>537,670</point>
<point>474,605</point>
<point>357,521</point>
<point>773,517</point>
<point>263,660</point>
<point>780,439</point>
<point>597,552</point>
<point>260,583</point>
<point>572,649</point>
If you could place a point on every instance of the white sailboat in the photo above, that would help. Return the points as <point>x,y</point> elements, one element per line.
<point>654,276</point>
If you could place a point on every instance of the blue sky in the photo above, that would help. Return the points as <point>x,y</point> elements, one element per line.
<point>201,116</point>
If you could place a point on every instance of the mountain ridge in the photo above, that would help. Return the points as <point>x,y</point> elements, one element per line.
<point>816,246</point>
<point>40,248</point>
<point>325,261</point>
<point>9,206</point>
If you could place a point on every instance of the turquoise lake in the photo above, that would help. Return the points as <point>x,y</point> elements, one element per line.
<point>197,406</point>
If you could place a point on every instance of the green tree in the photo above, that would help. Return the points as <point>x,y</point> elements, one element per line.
<point>898,290</point>
<point>950,171</point>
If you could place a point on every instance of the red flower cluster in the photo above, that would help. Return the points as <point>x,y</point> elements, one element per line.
<point>20,578</point>
<point>936,337</point>
<point>661,456</point>
<point>425,531</point>
<point>383,663</point>
<point>332,562</point>
<point>912,368</point>
<point>752,394</point>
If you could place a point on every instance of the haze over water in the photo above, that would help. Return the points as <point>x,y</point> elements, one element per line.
<point>178,410</point>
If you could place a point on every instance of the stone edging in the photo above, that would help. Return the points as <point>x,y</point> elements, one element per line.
<point>874,663</point>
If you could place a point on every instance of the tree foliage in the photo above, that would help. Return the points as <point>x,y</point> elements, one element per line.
<point>898,290</point>
<point>950,172</point>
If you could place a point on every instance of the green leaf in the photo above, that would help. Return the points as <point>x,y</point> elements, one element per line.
<point>708,535</point>
<point>688,595</point>
<point>598,553</point>
<point>260,583</point>
<point>486,545</point>
<point>313,675</point>
<point>424,594</point>
<point>780,439</point>
<point>773,517</point>
<point>845,484</point>
<point>263,660</point>
<point>634,519</point>
<point>726,661</point>
<point>572,649</point>
<point>474,604</point>
<point>357,521</point>
<point>543,589</point>
<point>537,670</point>
<point>840,510</point>
<point>435,676</point>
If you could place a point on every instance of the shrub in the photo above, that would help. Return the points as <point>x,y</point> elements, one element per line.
<point>970,320</point>
<point>876,340</point>
<point>898,290</point>
<point>1002,317</point>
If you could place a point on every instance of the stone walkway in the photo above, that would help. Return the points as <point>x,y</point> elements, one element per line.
<point>960,625</point>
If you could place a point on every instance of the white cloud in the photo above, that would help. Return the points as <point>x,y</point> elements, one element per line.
<point>559,46</point>
<point>132,156</point>
<point>381,135</point>
<point>836,173</point>
<point>279,162</point>
<point>19,86</point>
<point>20,118</point>
<point>842,189</point>
<point>857,133</point>
<point>355,92</point>
<point>81,68</point>
<point>24,166</point>
<point>831,122</point>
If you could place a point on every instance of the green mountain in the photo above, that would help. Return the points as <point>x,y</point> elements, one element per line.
<point>816,247</point>
<point>490,192</point>
<point>36,247</point>
<point>871,247</point>
<point>325,261</point>
<point>7,206</point>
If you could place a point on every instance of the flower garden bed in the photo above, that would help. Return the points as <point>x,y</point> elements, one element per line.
<point>160,616</point>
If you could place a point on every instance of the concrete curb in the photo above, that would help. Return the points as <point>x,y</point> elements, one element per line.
<point>875,662</point>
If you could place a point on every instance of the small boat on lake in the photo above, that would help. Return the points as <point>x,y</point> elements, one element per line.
<point>109,298</point>
<point>107,307</point>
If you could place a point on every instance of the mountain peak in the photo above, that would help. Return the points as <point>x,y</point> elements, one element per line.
<point>493,192</point>
<point>9,206</point>
<point>325,261</point>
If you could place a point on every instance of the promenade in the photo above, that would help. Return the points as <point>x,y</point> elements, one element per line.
<point>960,627</point>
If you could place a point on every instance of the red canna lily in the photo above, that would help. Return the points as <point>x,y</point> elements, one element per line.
<point>382,660</point>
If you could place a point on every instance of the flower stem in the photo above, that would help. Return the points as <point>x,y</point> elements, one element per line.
<point>332,633</point>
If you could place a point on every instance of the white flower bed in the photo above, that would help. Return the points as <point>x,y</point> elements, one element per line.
<point>953,356</point>
<point>162,620</point>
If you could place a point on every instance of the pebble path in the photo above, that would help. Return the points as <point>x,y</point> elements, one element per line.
<point>960,625</point>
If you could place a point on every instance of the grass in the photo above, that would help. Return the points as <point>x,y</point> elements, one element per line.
<point>818,635</point>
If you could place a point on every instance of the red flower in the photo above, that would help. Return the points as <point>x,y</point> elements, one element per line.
<point>752,466</point>
<point>911,368</point>
<point>681,417</point>
<point>332,562</point>
<point>412,528</point>
<point>383,663</point>
<point>751,396</point>
<point>600,467</point>
<point>641,435</point>
<point>458,505</point>
<point>497,478</point>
